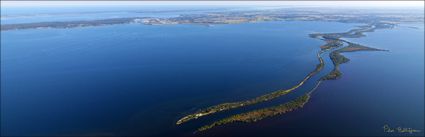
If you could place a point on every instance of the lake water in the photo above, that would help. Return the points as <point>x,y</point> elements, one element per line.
<point>140,79</point>
<point>13,15</point>
<point>376,89</point>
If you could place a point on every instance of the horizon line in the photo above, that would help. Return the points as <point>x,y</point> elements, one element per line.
<point>214,3</point>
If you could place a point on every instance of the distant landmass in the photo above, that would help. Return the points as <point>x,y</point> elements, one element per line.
<point>233,18</point>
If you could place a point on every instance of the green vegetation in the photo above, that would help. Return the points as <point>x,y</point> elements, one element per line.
<point>333,40</point>
<point>256,115</point>
<point>331,44</point>
<point>334,74</point>
<point>352,47</point>
<point>259,114</point>
<point>338,59</point>
<point>263,98</point>
<point>353,33</point>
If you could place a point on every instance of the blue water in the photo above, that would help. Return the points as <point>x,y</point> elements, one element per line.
<point>376,89</point>
<point>139,79</point>
<point>13,15</point>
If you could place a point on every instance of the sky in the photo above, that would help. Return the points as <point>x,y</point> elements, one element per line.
<point>230,3</point>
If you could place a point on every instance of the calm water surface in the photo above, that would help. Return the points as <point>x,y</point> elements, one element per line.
<point>139,79</point>
<point>377,88</point>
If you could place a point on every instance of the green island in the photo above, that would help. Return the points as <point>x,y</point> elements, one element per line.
<point>259,114</point>
<point>354,33</point>
<point>337,58</point>
<point>256,115</point>
<point>332,42</point>
<point>263,98</point>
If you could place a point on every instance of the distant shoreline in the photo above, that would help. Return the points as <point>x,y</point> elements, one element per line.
<point>230,17</point>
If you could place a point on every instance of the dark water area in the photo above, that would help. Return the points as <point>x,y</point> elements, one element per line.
<point>376,89</point>
<point>139,80</point>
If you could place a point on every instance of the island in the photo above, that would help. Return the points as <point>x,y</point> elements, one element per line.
<point>263,98</point>
<point>333,40</point>
<point>334,44</point>
<point>256,115</point>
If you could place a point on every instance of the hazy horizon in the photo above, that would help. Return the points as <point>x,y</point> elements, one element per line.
<point>216,3</point>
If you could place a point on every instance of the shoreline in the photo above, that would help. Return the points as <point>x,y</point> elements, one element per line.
<point>256,100</point>
<point>236,17</point>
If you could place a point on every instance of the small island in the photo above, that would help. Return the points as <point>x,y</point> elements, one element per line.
<point>330,44</point>
<point>263,98</point>
<point>333,40</point>
<point>259,114</point>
